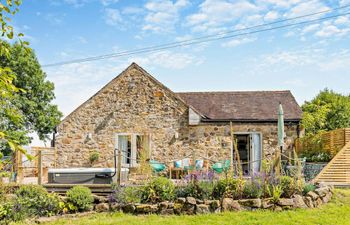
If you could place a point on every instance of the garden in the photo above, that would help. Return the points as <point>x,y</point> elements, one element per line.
<point>197,193</point>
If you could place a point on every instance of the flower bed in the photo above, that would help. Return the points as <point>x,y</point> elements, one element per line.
<point>191,205</point>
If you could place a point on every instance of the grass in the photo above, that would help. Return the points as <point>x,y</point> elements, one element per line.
<point>335,212</point>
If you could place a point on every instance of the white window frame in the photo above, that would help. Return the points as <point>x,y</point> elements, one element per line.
<point>133,162</point>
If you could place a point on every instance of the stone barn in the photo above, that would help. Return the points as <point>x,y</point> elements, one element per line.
<point>139,115</point>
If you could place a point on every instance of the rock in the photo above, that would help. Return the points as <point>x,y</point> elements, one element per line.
<point>115,207</point>
<point>128,208</point>
<point>191,200</point>
<point>228,204</point>
<point>180,200</point>
<point>188,209</point>
<point>254,203</point>
<point>146,208</point>
<point>313,195</point>
<point>325,199</point>
<point>285,202</point>
<point>102,207</point>
<point>178,208</point>
<point>166,212</point>
<point>299,202</point>
<point>198,201</point>
<point>202,209</point>
<point>308,201</point>
<point>214,205</point>
<point>318,202</point>
<point>322,191</point>
<point>163,205</point>
<point>266,203</point>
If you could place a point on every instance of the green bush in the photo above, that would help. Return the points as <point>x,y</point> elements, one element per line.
<point>34,200</point>
<point>79,198</point>
<point>125,195</point>
<point>275,192</point>
<point>231,188</point>
<point>157,190</point>
<point>200,190</point>
<point>308,187</point>
<point>252,190</point>
<point>288,186</point>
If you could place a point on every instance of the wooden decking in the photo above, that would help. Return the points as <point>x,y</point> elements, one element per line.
<point>337,171</point>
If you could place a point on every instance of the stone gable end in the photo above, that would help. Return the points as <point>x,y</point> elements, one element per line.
<point>134,102</point>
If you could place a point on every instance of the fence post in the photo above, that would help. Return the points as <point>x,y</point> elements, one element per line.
<point>40,167</point>
<point>119,166</point>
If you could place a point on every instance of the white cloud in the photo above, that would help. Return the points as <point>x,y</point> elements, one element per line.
<point>310,28</point>
<point>108,2</point>
<point>307,7</point>
<point>217,13</point>
<point>113,17</point>
<point>327,31</point>
<point>76,3</point>
<point>168,59</point>
<point>162,15</point>
<point>271,15</point>
<point>236,42</point>
<point>343,20</point>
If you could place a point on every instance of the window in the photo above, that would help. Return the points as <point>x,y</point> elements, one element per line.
<point>134,148</point>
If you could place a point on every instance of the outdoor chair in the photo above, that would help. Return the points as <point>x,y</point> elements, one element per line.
<point>222,166</point>
<point>157,166</point>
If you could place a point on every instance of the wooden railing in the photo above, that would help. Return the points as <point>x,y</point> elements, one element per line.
<point>331,141</point>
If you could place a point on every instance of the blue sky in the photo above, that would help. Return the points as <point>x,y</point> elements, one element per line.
<point>302,59</point>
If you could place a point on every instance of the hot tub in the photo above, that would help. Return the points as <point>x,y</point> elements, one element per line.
<point>85,175</point>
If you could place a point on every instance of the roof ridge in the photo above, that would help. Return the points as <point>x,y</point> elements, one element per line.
<point>207,92</point>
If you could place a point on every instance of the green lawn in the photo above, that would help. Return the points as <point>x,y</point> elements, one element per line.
<point>335,212</point>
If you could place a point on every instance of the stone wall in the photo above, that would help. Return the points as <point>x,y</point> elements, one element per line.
<point>136,103</point>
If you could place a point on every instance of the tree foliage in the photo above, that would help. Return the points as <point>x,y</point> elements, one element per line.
<point>34,103</point>
<point>327,111</point>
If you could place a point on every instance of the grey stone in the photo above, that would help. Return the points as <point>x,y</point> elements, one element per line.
<point>277,208</point>
<point>318,202</point>
<point>102,207</point>
<point>180,200</point>
<point>115,207</point>
<point>163,205</point>
<point>285,202</point>
<point>313,195</point>
<point>166,212</point>
<point>202,209</point>
<point>267,203</point>
<point>178,208</point>
<point>299,202</point>
<point>254,203</point>
<point>128,208</point>
<point>99,199</point>
<point>191,200</point>
<point>228,204</point>
<point>146,208</point>
<point>199,201</point>
<point>309,202</point>
<point>322,191</point>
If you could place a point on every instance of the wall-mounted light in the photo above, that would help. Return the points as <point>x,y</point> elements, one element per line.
<point>176,135</point>
<point>89,136</point>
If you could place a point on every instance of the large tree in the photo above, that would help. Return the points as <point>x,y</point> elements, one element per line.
<point>39,114</point>
<point>327,111</point>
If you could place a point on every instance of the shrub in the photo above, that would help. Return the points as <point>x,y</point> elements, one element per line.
<point>125,195</point>
<point>229,187</point>
<point>275,192</point>
<point>288,186</point>
<point>94,156</point>
<point>79,198</point>
<point>252,190</point>
<point>308,187</point>
<point>34,200</point>
<point>200,190</point>
<point>158,189</point>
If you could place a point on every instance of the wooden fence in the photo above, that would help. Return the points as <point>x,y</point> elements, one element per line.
<point>36,169</point>
<point>331,142</point>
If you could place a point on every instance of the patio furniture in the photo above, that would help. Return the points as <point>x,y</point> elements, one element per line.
<point>222,166</point>
<point>157,166</point>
